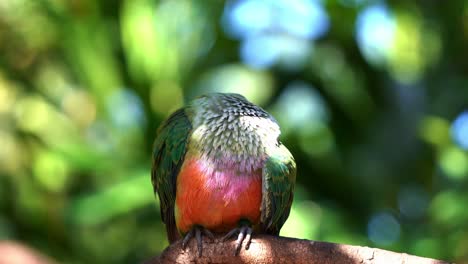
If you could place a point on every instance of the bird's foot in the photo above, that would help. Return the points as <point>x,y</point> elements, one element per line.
<point>197,232</point>
<point>245,233</point>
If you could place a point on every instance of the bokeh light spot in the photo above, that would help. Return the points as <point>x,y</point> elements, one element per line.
<point>460,130</point>
<point>139,38</point>
<point>32,114</point>
<point>255,85</point>
<point>125,109</point>
<point>158,44</point>
<point>415,47</point>
<point>7,95</point>
<point>7,143</point>
<point>99,135</point>
<point>302,18</point>
<point>11,153</point>
<point>244,18</point>
<point>51,171</point>
<point>383,229</point>
<point>300,104</point>
<point>413,201</point>
<point>449,208</point>
<point>275,32</point>
<point>316,139</point>
<point>80,107</point>
<point>264,51</point>
<point>54,80</point>
<point>375,31</point>
<point>427,247</point>
<point>454,163</point>
<point>435,130</point>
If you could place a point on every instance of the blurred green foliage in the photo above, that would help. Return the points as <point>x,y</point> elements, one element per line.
<point>372,111</point>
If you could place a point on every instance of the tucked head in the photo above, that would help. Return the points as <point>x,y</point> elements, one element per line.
<point>230,130</point>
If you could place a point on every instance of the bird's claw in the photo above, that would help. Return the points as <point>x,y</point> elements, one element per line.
<point>197,231</point>
<point>245,233</point>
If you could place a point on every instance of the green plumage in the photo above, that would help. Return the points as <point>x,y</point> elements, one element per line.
<point>170,147</point>
<point>232,133</point>
<point>279,176</point>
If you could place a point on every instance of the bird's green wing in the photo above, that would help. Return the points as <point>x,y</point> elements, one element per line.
<point>168,155</point>
<point>279,176</point>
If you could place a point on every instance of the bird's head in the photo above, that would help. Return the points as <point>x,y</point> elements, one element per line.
<point>230,129</point>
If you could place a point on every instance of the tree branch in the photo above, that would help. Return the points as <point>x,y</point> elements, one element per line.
<point>15,252</point>
<point>271,249</point>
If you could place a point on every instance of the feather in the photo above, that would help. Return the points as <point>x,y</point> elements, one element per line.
<point>169,150</point>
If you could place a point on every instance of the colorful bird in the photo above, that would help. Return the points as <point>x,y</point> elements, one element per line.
<point>218,166</point>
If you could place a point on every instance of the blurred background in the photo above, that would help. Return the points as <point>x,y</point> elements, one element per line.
<point>372,98</point>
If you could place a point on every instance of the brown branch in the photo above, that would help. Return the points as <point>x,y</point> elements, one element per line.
<point>15,252</point>
<point>270,249</point>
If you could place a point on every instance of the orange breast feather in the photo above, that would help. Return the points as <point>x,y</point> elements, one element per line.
<point>216,200</point>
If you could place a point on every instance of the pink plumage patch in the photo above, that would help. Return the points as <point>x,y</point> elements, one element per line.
<point>216,200</point>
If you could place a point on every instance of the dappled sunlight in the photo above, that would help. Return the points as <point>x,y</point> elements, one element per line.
<point>256,250</point>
